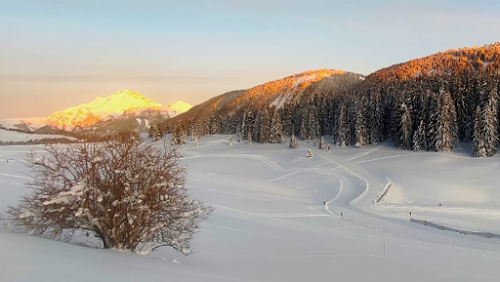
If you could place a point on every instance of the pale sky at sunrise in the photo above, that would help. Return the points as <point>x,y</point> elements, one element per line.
<point>57,54</point>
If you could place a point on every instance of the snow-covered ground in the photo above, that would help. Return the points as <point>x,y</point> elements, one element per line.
<point>8,135</point>
<point>271,223</point>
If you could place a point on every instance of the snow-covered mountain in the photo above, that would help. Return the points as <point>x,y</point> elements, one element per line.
<point>125,104</point>
<point>118,103</point>
<point>177,108</point>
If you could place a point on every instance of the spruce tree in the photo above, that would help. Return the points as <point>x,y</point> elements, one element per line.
<point>362,130</point>
<point>420,138</point>
<point>376,118</point>
<point>322,145</point>
<point>343,126</point>
<point>478,148</point>
<point>276,132</point>
<point>447,133</point>
<point>404,137</point>
<point>293,142</point>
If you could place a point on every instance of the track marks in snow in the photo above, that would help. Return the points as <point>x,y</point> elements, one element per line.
<point>363,154</point>
<point>388,157</point>
<point>284,176</point>
<point>327,204</point>
<point>16,176</point>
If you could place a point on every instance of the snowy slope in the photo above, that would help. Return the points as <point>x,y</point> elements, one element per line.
<point>177,108</point>
<point>23,123</point>
<point>7,135</point>
<point>270,223</point>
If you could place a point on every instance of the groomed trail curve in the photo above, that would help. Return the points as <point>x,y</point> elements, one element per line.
<point>358,190</point>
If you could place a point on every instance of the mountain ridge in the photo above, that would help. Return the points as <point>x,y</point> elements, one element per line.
<point>121,104</point>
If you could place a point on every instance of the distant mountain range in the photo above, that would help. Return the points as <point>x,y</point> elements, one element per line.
<point>122,107</point>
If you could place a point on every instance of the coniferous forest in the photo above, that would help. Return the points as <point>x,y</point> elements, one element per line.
<point>427,104</point>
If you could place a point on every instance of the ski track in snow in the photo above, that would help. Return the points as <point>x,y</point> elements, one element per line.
<point>16,176</point>
<point>357,189</point>
<point>354,199</point>
<point>284,176</point>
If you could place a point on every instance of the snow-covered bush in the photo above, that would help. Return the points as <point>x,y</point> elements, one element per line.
<point>130,195</point>
<point>309,154</point>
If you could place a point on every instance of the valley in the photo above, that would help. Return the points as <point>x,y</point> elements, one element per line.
<point>271,222</point>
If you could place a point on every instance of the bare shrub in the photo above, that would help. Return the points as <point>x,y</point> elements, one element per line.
<point>129,194</point>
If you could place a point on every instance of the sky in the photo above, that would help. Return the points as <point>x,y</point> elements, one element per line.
<point>58,54</point>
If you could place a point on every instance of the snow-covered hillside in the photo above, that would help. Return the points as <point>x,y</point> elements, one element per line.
<point>27,124</point>
<point>283,217</point>
<point>7,136</point>
<point>177,108</point>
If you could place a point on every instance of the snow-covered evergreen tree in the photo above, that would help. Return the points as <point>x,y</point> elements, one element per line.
<point>376,118</point>
<point>485,142</point>
<point>154,132</point>
<point>362,130</point>
<point>312,122</point>
<point>304,125</point>
<point>322,145</point>
<point>404,135</point>
<point>178,136</point>
<point>309,153</point>
<point>432,120</point>
<point>264,124</point>
<point>276,132</point>
<point>478,144</point>
<point>447,133</point>
<point>420,137</point>
<point>343,126</point>
<point>293,142</point>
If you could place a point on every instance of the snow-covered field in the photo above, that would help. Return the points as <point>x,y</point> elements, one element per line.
<point>271,223</point>
<point>7,135</point>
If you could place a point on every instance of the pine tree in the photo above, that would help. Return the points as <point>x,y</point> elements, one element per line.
<point>304,125</point>
<point>376,118</point>
<point>432,120</point>
<point>312,122</point>
<point>264,123</point>
<point>293,142</point>
<point>420,138</point>
<point>244,127</point>
<point>447,133</point>
<point>178,136</point>
<point>362,130</point>
<point>404,137</point>
<point>343,126</point>
<point>276,133</point>
<point>154,132</point>
<point>322,145</point>
<point>478,144</point>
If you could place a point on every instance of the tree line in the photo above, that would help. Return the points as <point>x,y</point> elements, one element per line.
<point>426,113</point>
